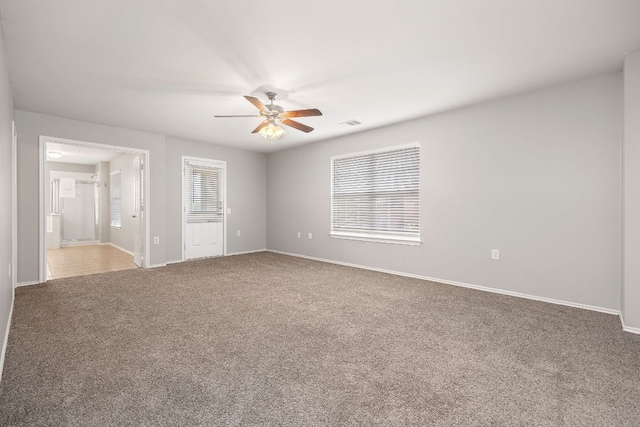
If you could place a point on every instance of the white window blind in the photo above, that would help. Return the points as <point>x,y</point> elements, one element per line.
<point>376,195</point>
<point>203,192</point>
<point>116,199</point>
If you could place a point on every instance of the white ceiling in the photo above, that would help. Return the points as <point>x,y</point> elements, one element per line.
<point>170,66</point>
<point>80,155</point>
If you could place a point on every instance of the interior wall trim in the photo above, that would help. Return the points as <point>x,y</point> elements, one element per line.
<point>6,333</point>
<point>460,284</point>
<point>176,261</point>
<point>33,282</point>
<point>120,248</point>
<point>629,329</point>
<point>162,264</point>
<point>248,252</point>
<point>43,139</point>
<point>79,243</point>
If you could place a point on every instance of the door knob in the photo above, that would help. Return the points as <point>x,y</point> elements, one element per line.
<point>133,216</point>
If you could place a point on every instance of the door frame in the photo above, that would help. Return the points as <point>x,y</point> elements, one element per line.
<point>139,208</point>
<point>224,201</point>
<point>42,187</point>
<point>14,206</point>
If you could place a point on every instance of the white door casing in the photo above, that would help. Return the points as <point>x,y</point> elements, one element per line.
<point>203,195</point>
<point>145,226</point>
<point>138,211</point>
<point>14,205</point>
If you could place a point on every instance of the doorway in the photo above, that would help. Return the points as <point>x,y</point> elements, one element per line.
<point>203,208</point>
<point>93,215</point>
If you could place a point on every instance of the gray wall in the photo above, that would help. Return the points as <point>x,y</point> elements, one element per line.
<point>246,195</point>
<point>631,266</point>
<point>536,176</point>
<point>246,175</point>
<point>30,126</point>
<point>123,236</point>
<point>6,116</point>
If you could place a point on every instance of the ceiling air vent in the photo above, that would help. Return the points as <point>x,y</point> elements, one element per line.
<point>351,123</point>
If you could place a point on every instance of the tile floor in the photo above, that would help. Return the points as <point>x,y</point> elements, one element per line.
<point>83,260</point>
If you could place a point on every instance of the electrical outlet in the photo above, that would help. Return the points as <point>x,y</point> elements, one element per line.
<point>156,240</point>
<point>495,254</point>
<point>238,233</point>
<point>310,236</point>
<point>299,235</point>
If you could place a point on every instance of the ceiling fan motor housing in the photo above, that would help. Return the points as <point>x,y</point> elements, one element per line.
<point>274,115</point>
<point>274,107</point>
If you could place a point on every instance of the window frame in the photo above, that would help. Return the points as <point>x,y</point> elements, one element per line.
<point>112,222</point>
<point>373,236</point>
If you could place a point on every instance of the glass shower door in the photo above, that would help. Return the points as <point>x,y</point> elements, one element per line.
<point>80,214</point>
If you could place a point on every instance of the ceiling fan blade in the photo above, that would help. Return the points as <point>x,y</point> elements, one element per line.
<point>302,113</point>
<point>259,105</point>
<point>238,116</point>
<point>297,125</point>
<point>260,126</point>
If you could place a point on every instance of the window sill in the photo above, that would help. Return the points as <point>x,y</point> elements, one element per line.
<point>408,241</point>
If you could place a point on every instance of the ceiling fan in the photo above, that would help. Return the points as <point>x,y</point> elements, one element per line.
<point>274,115</point>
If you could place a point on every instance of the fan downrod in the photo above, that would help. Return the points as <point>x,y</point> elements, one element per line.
<point>271,96</point>
<point>272,106</point>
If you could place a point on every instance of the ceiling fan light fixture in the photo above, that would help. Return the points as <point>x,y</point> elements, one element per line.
<point>54,154</point>
<point>274,115</point>
<point>272,131</point>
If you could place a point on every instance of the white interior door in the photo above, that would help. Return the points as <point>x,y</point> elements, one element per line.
<point>203,197</point>
<point>138,210</point>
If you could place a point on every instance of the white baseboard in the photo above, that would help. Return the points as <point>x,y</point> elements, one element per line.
<point>80,243</point>
<point>626,328</point>
<point>229,254</point>
<point>464,285</point>
<point>122,249</point>
<point>34,282</point>
<point>246,252</point>
<point>162,264</point>
<point>6,333</point>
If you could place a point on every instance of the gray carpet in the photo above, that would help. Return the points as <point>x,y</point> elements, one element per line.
<point>266,339</point>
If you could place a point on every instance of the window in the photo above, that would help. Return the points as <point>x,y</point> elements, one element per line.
<point>376,195</point>
<point>116,199</point>
<point>203,192</point>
